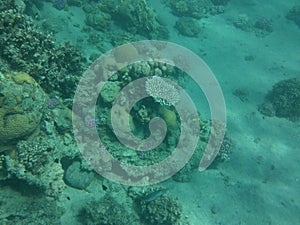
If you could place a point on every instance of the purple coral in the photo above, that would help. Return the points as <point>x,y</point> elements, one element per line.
<point>52,103</point>
<point>91,123</point>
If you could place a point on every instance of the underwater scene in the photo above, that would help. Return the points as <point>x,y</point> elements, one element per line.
<point>149,112</point>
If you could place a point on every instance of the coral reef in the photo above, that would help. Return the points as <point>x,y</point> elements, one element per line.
<point>188,27</point>
<point>197,8</point>
<point>162,91</point>
<point>6,4</point>
<point>41,160</point>
<point>27,49</point>
<point>162,210</point>
<point>225,151</point>
<point>191,8</point>
<point>162,94</point>
<point>143,111</point>
<point>28,209</point>
<point>31,147</point>
<point>122,37</point>
<point>106,211</point>
<point>223,155</point>
<point>283,100</point>
<point>59,4</point>
<point>75,176</point>
<point>21,42</point>
<point>34,165</point>
<point>185,174</point>
<point>75,2</point>
<point>63,120</point>
<point>220,2</point>
<point>44,157</point>
<point>99,21</point>
<point>155,205</point>
<point>110,91</point>
<point>261,27</point>
<point>125,54</point>
<point>243,22</point>
<point>22,103</point>
<point>169,117</point>
<point>28,158</point>
<point>136,17</point>
<point>294,15</point>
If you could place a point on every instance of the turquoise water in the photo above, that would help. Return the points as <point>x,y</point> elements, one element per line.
<point>83,83</point>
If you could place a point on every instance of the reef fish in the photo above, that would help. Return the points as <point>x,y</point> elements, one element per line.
<point>154,195</point>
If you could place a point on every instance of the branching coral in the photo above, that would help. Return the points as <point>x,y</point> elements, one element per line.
<point>27,49</point>
<point>34,165</point>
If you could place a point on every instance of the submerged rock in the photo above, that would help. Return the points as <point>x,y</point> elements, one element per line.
<point>76,177</point>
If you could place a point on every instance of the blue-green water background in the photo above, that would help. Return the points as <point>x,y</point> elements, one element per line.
<point>259,184</point>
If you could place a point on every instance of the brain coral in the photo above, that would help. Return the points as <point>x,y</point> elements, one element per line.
<point>125,53</point>
<point>22,103</point>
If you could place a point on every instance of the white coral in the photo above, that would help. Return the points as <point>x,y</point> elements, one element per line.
<point>162,91</point>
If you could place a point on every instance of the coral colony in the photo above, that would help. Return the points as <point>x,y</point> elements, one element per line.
<point>91,122</point>
<point>159,88</point>
<point>38,74</point>
<point>60,4</point>
<point>52,103</point>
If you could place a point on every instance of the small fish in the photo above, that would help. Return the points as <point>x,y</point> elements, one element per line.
<point>154,195</point>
